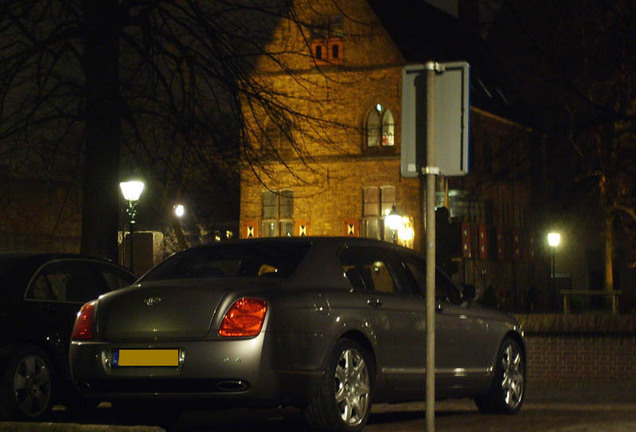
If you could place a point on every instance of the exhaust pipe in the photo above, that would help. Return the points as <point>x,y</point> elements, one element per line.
<point>232,386</point>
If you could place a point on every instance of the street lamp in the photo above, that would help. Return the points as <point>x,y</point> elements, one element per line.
<point>179,212</point>
<point>554,239</point>
<point>393,220</point>
<point>131,190</point>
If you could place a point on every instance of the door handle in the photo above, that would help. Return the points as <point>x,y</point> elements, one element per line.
<point>374,302</point>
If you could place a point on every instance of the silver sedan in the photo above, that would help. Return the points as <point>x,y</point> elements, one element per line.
<point>330,325</point>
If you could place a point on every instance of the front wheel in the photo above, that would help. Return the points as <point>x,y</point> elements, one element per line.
<point>343,401</point>
<point>508,387</point>
<point>26,385</point>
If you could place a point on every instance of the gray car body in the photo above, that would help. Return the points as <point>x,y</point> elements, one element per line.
<point>308,311</point>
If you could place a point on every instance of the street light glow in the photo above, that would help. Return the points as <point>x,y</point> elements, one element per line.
<point>554,239</point>
<point>179,210</point>
<point>132,189</point>
<point>393,219</point>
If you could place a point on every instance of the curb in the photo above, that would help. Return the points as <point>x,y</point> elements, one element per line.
<point>72,427</point>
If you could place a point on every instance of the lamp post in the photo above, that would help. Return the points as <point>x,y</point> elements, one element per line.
<point>131,190</point>
<point>393,220</point>
<point>554,239</point>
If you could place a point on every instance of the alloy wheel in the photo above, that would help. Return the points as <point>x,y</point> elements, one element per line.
<point>352,387</point>
<point>513,380</point>
<point>32,385</point>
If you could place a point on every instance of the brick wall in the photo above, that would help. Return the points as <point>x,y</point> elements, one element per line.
<point>580,357</point>
<point>581,348</point>
<point>327,182</point>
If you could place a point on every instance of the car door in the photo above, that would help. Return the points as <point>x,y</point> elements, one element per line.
<point>461,357</point>
<point>58,290</point>
<point>60,287</point>
<point>397,317</point>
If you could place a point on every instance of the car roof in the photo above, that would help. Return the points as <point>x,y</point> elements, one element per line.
<point>29,253</point>
<point>324,250</point>
<point>26,264</point>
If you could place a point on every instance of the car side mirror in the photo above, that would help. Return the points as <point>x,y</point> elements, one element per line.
<point>469,293</point>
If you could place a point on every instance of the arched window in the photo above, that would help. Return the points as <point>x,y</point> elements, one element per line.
<point>380,128</point>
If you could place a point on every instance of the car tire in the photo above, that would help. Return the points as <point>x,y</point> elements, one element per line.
<point>26,386</point>
<point>343,400</point>
<point>507,391</point>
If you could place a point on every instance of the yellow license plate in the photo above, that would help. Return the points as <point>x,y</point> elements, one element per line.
<point>146,357</point>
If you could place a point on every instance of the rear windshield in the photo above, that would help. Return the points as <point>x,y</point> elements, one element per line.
<point>249,259</point>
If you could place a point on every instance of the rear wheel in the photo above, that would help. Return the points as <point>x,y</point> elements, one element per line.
<point>343,402</point>
<point>508,387</point>
<point>26,385</point>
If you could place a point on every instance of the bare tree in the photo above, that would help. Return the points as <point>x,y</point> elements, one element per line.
<point>572,65</point>
<point>93,90</point>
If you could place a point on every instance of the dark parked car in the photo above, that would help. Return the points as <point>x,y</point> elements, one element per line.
<point>40,295</point>
<point>326,324</point>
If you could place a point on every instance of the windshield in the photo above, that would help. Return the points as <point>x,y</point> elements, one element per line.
<point>248,259</point>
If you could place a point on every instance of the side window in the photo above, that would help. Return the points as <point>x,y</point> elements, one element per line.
<point>48,285</point>
<point>375,270</point>
<point>114,277</point>
<point>353,276</point>
<point>445,290</point>
<point>378,276</point>
<point>418,272</point>
<point>41,289</point>
<point>71,281</point>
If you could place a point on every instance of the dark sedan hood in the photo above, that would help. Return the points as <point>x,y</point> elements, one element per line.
<point>162,310</point>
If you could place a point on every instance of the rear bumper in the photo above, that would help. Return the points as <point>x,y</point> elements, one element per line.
<point>221,371</point>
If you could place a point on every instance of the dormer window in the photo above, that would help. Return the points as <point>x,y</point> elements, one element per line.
<point>327,40</point>
<point>380,128</point>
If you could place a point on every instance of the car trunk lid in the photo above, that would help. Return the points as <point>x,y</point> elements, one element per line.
<point>183,309</point>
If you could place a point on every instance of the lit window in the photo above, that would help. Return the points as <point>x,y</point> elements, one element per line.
<point>278,214</point>
<point>380,128</point>
<point>376,201</point>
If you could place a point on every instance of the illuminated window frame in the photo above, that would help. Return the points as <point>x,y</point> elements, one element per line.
<point>380,128</point>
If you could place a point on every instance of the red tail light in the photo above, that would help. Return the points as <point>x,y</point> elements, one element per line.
<point>245,318</point>
<point>83,328</point>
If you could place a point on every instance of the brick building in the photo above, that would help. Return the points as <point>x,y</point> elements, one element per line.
<point>335,169</point>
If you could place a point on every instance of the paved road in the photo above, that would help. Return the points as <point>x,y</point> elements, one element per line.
<point>550,408</point>
<point>456,416</point>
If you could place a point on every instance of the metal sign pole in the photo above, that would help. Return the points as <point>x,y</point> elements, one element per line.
<point>430,171</point>
<point>451,83</point>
